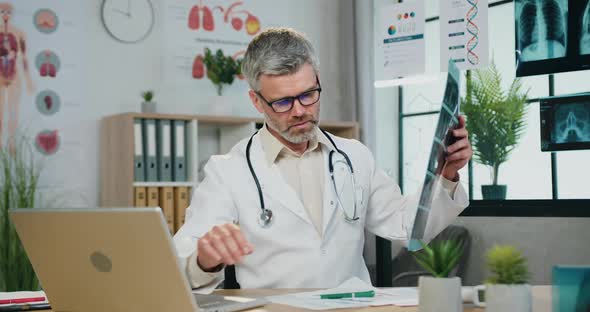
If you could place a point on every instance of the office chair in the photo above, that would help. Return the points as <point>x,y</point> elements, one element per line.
<point>406,270</point>
<point>230,281</point>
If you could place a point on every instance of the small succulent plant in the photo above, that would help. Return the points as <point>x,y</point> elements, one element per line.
<point>439,257</point>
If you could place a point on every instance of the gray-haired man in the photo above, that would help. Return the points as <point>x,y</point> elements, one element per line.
<point>289,205</point>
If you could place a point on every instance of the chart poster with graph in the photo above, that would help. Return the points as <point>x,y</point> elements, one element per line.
<point>401,39</point>
<point>551,36</point>
<point>464,33</point>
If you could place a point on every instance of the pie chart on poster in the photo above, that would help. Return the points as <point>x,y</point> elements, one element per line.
<point>391,30</point>
<point>48,102</point>
<point>47,142</point>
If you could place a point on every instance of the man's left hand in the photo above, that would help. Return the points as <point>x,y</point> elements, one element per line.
<point>459,153</point>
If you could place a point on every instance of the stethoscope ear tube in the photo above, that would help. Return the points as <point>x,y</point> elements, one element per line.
<point>266,214</point>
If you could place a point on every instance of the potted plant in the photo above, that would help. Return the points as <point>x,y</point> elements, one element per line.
<point>495,121</point>
<point>507,288</point>
<point>148,106</point>
<point>439,292</point>
<point>221,69</point>
<point>18,189</point>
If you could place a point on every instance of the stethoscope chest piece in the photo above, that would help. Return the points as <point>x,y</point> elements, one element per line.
<point>265,219</point>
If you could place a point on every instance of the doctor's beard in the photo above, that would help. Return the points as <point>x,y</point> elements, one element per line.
<point>297,138</point>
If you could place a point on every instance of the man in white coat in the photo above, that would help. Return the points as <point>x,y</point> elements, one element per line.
<point>271,207</point>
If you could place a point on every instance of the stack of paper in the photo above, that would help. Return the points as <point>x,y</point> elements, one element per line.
<point>312,300</point>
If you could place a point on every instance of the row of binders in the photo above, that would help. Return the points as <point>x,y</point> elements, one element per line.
<point>160,150</point>
<point>172,200</point>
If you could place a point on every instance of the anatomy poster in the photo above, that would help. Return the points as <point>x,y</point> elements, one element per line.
<point>401,39</point>
<point>464,33</point>
<point>193,25</point>
<point>39,71</point>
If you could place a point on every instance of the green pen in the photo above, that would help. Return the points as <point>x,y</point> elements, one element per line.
<point>359,294</point>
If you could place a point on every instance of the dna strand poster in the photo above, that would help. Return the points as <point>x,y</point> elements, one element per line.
<point>464,33</point>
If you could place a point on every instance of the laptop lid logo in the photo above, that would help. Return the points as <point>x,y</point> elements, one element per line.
<point>101,262</point>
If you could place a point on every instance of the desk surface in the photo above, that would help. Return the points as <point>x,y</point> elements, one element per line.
<point>541,301</point>
<point>284,308</point>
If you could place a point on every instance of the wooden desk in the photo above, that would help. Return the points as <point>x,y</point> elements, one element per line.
<point>541,301</point>
<point>283,308</point>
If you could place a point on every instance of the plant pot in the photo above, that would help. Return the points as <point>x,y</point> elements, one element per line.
<point>439,294</point>
<point>493,191</point>
<point>513,298</point>
<point>148,107</point>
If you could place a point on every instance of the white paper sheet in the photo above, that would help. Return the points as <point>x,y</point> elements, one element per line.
<point>384,296</point>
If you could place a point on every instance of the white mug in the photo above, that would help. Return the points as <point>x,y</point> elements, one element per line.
<point>474,294</point>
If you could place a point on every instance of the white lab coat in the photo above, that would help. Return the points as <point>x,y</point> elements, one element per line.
<point>291,253</point>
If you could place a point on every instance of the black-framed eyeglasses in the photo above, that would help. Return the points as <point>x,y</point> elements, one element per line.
<point>285,104</point>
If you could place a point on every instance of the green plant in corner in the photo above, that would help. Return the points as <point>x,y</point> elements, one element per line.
<point>19,176</point>
<point>439,257</point>
<point>148,95</point>
<point>507,265</point>
<point>221,69</point>
<point>495,118</point>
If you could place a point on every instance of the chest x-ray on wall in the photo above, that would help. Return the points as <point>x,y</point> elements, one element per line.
<point>551,36</point>
<point>541,28</point>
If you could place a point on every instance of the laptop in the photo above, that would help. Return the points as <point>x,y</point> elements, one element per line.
<point>111,260</point>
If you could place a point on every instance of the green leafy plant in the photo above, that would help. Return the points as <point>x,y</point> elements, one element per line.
<point>495,118</point>
<point>147,95</point>
<point>507,265</point>
<point>19,176</point>
<point>439,257</point>
<point>221,69</point>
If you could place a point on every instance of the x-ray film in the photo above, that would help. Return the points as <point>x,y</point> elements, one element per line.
<point>551,36</point>
<point>447,121</point>
<point>565,122</point>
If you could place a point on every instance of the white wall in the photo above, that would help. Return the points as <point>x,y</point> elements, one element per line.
<point>545,242</point>
<point>114,74</point>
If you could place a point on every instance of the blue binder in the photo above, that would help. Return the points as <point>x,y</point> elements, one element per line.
<point>179,150</point>
<point>139,165</point>
<point>164,150</point>
<point>149,150</point>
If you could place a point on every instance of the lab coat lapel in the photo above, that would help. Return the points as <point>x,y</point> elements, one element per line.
<point>274,185</point>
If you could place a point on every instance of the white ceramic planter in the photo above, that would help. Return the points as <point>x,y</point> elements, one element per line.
<point>148,107</point>
<point>439,294</point>
<point>513,298</point>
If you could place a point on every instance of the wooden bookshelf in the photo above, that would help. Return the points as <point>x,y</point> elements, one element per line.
<point>207,135</point>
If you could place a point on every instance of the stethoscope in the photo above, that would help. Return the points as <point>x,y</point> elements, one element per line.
<point>266,216</point>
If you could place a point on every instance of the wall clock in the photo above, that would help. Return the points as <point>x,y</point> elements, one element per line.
<point>128,21</point>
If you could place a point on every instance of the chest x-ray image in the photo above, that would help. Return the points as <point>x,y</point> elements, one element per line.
<point>585,30</point>
<point>447,121</point>
<point>551,36</point>
<point>565,123</point>
<point>541,28</point>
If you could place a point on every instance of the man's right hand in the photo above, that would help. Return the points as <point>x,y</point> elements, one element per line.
<point>223,244</point>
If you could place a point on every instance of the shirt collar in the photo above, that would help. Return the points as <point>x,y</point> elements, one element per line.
<point>273,147</point>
